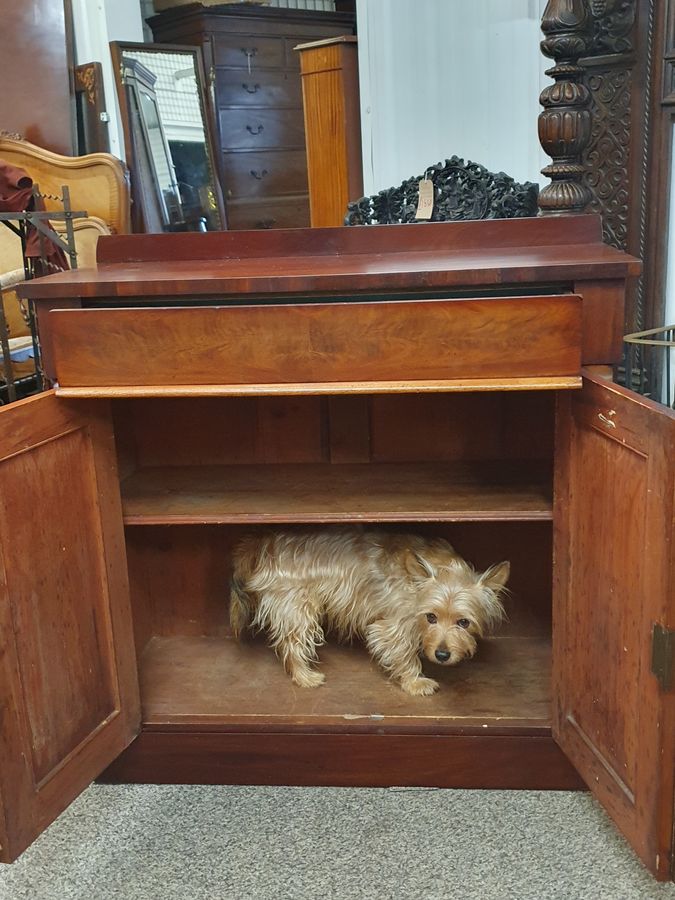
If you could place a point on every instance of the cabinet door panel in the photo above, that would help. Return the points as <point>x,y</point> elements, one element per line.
<point>613,582</point>
<point>68,684</point>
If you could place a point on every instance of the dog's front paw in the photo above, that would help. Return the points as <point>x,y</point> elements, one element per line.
<point>420,687</point>
<point>308,678</point>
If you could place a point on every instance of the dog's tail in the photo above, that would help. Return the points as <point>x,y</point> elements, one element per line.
<point>241,607</point>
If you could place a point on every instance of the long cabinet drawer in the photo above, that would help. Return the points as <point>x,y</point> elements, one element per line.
<point>260,129</point>
<point>235,87</point>
<point>520,342</point>
<point>265,174</point>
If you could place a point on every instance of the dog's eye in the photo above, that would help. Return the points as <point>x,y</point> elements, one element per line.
<point>463,623</point>
<point>432,618</point>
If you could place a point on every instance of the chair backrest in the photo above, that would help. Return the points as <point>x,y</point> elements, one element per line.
<point>462,190</point>
<point>98,183</point>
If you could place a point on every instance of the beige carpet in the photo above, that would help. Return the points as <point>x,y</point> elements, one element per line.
<point>247,843</point>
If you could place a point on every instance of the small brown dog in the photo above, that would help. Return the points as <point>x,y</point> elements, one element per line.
<point>404,595</point>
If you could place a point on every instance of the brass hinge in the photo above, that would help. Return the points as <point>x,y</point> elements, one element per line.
<point>663,648</point>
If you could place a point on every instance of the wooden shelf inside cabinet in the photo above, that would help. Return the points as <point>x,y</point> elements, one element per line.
<point>313,493</point>
<point>217,684</point>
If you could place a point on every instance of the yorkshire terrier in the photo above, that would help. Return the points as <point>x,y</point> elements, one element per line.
<point>404,595</point>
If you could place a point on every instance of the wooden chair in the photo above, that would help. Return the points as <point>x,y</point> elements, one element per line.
<point>462,190</point>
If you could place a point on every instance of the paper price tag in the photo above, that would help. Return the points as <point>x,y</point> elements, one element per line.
<point>425,203</point>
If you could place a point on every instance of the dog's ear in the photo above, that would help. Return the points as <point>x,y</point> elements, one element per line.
<point>496,577</point>
<point>417,566</point>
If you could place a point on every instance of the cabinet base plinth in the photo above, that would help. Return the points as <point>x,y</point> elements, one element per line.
<point>345,760</point>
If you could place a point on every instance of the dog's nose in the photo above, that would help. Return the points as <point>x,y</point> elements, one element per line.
<point>442,655</point>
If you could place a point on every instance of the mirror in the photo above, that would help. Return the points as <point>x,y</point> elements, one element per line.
<point>168,142</point>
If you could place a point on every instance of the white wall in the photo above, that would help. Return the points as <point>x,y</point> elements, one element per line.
<point>96,23</point>
<point>446,77</point>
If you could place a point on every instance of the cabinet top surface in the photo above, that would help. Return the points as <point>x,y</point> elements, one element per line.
<point>371,258</point>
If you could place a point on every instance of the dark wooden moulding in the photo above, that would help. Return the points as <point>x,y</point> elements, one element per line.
<point>435,377</point>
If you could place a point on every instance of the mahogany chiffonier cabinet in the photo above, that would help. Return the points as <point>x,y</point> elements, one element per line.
<point>448,379</point>
<point>256,92</point>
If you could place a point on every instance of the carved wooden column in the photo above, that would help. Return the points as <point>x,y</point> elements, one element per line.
<point>565,123</point>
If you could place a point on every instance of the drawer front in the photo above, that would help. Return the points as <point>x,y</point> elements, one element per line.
<point>265,174</point>
<point>237,50</point>
<point>366,343</point>
<point>257,129</point>
<point>235,87</point>
<point>290,212</point>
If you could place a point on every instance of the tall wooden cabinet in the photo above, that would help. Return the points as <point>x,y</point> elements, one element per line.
<point>437,378</point>
<point>256,95</point>
<point>39,107</point>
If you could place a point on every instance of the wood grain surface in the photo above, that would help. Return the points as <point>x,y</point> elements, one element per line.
<point>311,493</point>
<point>39,107</point>
<point>207,683</point>
<point>330,88</point>
<point>351,760</point>
<point>346,388</point>
<point>368,342</point>
<point>68,679</point>
<point>376,258</point>
<point>614,578</point>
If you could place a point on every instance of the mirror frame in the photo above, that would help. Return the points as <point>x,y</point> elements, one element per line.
<point>140,210</point>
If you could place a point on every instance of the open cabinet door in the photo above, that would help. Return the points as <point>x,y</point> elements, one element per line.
<point>614,580</point>
<point>68,681</point>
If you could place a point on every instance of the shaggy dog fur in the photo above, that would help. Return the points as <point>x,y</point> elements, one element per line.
<point>404,595</point>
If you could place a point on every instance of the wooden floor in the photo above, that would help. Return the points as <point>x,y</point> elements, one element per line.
<point>217,684</point>
<point>310,493</point>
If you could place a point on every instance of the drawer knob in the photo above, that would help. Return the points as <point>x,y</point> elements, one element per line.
<point>251,90</point>
<point>266,223</point>
<point>259,175</point>
<point>253,130</point>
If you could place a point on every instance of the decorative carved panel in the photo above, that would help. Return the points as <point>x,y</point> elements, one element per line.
<point>613,22</point>
<point>462,190</point>
<point>609,78</point>
<point>607,158</point>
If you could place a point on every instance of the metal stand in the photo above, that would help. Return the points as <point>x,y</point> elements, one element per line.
<point>650,365</point>
<point>19,223</point>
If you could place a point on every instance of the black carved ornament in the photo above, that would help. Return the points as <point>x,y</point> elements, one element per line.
<point>462,190</point>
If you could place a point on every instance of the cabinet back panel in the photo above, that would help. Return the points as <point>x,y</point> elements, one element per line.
<point>410,427</point>
<point>179,576</point>
<point>389,428</point>
<point>207,432</point>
